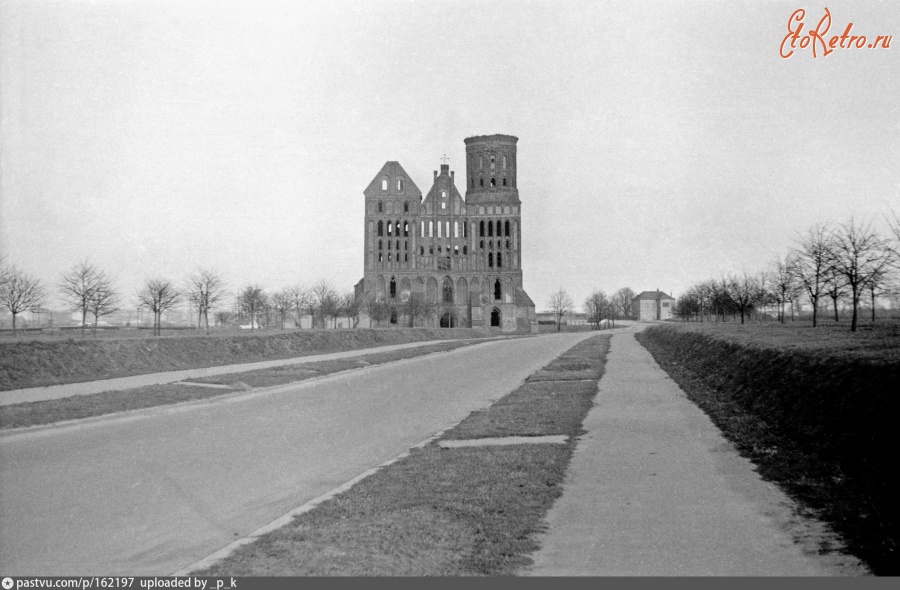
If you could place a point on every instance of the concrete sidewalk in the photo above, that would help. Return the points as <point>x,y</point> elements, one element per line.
<point>655,489</point>
<point>34,394</point>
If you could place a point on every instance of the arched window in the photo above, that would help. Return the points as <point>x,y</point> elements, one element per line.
<point>398,244</point>
<point>490,228</point>
<point>380,207</point>
<point>504,182</point>
<point>480,182</point>
<point>430,229</point>
<point>405,207</point>
<point>447,290</point>
<point>389,227</point>
<point>439,229</point>
<point>480,229</point>
<point>495,318</point>
<point>465,230</point>
<point>464,251</point>
<point>507,244</point>
<point>506,227</point>
<point>384,184</point>
<point>389,244</point>
<point>491,259</point>
<point>499,260</point>
<point>504,165</point>
<point>492,162</point>
<point>421,250</point>
<point>380,226</point>
<point>497,289</point>
<point>393,287</point>
<point>480,162</point>
<point>499,228</point>
<point>493,181</point>
<point>400,184</point>
<point>397,227</point>
<point>380,245</point>
<point>422,235</point>
<point>406,229</point>
<point>455,229</point>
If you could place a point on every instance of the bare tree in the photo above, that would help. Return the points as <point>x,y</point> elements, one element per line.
<point>835,288</point>
<point>19,292</point>
<point>78,287</point>
<point>744,291</point>
<point>300,300</point>
<point>877,285</point>
<point>251,302</point>
<point>223,317</point>
<point>561,304</point>
<point>324,298</point>
<point>158,295</point>
<point>283,304</point>
<point>782,280</point>
<point>378,310</point>
<point>205,290</point>
<point>597,306</point>
<point>104,300</point>
<point>813,256</point>
<point>622,301</point>
<point>350,305</point>
<point>859,254</point>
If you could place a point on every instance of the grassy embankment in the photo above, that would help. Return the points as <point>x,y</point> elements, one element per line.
<point>39,362</point>
<point>814,409</point>
<point>98,404</point>
<point>449,512</point>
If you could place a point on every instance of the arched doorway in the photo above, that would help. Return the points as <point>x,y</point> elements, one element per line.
<point>495,318</point>
<point>448,320</point>
<point>393,317</point>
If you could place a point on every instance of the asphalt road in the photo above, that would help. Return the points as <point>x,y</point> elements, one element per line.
<point>148,493</point>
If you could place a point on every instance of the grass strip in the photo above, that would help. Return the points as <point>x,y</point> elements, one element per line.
<point>444,512</point>
<point>862,511</point>
<point>87,406</point>
<point>35,363</point>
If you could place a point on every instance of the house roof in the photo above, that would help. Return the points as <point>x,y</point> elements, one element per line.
<point>651,295</point>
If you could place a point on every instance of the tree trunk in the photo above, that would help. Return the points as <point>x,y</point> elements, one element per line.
<point>14,324</point>
<point>837,318</point>
<point>872,291</point>
<point>815,303</point>
<point>855,310</point>
<point>83,319</point>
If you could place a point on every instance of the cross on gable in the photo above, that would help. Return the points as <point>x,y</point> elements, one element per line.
<point>444,159</point>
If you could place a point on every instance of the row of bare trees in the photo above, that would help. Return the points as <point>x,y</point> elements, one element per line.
<point>844,262</point>
<point>598,306</point>
<point>91,291</point>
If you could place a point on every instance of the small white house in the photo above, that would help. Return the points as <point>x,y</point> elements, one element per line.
<point>652,305</point>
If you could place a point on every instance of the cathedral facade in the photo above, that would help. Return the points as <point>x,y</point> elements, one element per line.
<point>444,260</point>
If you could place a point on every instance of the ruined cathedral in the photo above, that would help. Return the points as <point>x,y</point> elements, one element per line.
<point>444,260</point>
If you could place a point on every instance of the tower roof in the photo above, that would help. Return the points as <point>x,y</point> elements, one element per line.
<point>391,171</point>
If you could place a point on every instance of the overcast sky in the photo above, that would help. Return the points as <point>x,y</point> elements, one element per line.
<point>660,143</point>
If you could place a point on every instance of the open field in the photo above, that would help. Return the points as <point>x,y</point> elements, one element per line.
<point>814,409</point>
<point>87,406</point>
<point>440,511</point>
<point>39,362</point>
<point>879,340</point>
